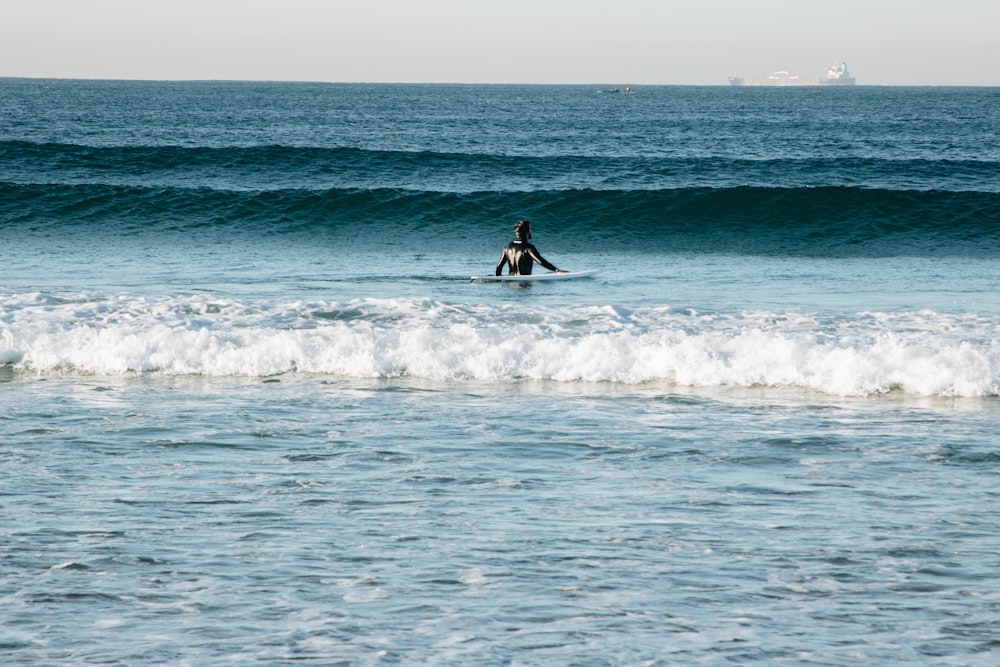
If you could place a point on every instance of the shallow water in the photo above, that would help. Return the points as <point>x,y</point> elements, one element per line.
<point>207,520</point>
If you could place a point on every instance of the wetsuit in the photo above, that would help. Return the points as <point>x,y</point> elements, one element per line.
<point>521,256</point>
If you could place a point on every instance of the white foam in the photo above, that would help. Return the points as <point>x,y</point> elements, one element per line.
<point>923,353</point>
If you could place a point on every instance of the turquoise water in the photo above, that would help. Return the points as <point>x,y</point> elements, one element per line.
<point>254,412</point>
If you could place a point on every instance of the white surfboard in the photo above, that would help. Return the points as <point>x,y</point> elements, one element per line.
<point>537,277</point>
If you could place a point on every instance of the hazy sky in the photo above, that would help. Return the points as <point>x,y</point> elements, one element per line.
<point>893,42</point>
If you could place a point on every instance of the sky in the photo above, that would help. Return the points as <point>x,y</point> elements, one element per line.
<point>621,42</point>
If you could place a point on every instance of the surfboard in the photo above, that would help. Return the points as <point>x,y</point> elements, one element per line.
<point>536,277</point>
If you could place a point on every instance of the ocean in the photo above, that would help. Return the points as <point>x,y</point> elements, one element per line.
<point>253,410</point>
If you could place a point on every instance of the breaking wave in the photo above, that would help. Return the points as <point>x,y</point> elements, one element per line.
<point>917,353</point>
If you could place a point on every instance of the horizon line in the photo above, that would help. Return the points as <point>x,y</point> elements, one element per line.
<point>482,83</point>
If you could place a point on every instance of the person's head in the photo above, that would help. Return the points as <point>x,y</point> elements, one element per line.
<point>522,230</point>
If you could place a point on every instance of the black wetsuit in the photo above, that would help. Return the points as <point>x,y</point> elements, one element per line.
<point>521,256</point>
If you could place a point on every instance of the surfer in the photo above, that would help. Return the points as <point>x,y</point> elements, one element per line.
<point>521,255</point>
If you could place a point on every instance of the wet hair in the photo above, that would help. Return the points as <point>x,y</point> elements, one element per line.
<point>521,229</point>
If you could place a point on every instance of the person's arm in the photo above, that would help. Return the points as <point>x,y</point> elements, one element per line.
<point>503,260</point>
<point>535,255</point>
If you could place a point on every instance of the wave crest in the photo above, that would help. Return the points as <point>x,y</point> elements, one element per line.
<point>828,221</point>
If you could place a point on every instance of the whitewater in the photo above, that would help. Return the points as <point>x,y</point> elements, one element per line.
<point>922,353</point>
<point>254,411</point>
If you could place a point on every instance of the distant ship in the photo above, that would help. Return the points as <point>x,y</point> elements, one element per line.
<point>836,75</point>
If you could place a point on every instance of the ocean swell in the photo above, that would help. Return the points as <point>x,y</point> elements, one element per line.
<point>270,167</point>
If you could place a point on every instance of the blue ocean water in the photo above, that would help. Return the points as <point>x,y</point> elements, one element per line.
<point>254,411</point>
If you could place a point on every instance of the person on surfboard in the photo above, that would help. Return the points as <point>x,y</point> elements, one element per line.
<point>521,255</point>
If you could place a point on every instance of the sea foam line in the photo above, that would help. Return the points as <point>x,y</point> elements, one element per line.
<point>921,353</point>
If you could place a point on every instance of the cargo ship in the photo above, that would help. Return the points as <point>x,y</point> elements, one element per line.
<point>836,75</point>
